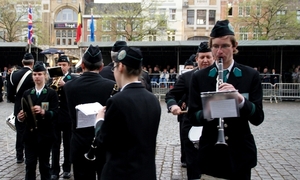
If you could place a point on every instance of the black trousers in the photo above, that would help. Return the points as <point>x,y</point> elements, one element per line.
<point>20,128</point>
<point>62,132</point>
<point>34,152</point>
<point>191,153</point>
<point>180,120</point>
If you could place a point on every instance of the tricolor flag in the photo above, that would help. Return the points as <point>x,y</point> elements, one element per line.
<point>79,25</point>
<point>30,28</point>
<point>92,29</point>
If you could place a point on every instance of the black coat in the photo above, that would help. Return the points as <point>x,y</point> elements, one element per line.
<point>107,73</point>
<point>241,153</point>
<point>12,96</point>
<point>129,134</point>
<point>45,127</point>
<point>88,88</point>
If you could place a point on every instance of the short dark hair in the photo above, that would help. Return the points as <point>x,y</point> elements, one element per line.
<point>92,66</point>
<point>132,71</point>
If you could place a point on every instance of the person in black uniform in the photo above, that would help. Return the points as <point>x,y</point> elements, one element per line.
<point>106,71</point>
<point>235,160</point>
<point>90,87</point>
<point>63,124</point>
<point>17,82</point>
<point>39,138</point>
<point>132,117</point>
<point>174,99</point>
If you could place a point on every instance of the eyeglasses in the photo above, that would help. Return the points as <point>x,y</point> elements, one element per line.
<point>223,46</point>
<point>113,68</point>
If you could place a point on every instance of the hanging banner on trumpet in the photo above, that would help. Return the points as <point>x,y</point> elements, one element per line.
<point>220,104</point>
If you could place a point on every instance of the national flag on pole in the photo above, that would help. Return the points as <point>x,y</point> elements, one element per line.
<point>92,29</point>
<point>79,25</point>
<point>30,28</point>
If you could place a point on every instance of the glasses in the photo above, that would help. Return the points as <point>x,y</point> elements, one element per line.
<point>113,68</point>
<point>223,46</point>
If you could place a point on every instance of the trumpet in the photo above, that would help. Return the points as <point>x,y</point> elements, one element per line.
<point>54,84</point>
<point>221,138</point>
<point>90,155</point>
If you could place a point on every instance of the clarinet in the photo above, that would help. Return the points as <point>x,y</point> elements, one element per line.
<point>221,138</point>
<point>90,155</point>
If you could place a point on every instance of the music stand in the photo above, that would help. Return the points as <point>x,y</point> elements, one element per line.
<point>55,72</point>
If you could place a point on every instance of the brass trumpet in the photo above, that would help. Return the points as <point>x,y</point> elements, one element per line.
<point>54,84</point>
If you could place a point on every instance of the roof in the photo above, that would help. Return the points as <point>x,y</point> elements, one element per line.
<point>14,44</point>
<point>194,43</point>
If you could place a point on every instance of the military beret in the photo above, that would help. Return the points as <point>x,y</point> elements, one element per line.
<point>39,66</point>
<point>222,28</point>
<point>118,45</point>
<point>192,58</point>
<point>63,58</point>
<point>189,63</point>
<point>28,56</point>
<point>203,47</point>
<point>93,54</point>
<point>131,57</point>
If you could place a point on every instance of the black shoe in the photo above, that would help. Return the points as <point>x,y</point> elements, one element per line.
<point>66,175</point>
<point>19,161</point>
<point>54,177</point>
<point>183,165</point>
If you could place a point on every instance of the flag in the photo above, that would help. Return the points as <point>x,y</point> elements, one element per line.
<point>92,29</point>
<point>79,25</point>
<point>30,28</point>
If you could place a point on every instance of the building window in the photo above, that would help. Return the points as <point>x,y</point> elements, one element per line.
<point>121,38</point>
<point>190,17</point>
<point>105,38</point>
<point>152,13</point>
<point>230,9</point>
<point>162,12</point>
<point>247,11</point>
<point>212,17</point>
<point>171,35</point>
<point>243,33</point>
<point>120,26</point>
<point>65,37</point>
<point>67,15</point>
<point>258,10</point>
<point>201,1</point>
<point>241,9</point>
<point>201,17</point>
<point>46,7</point>
<point>298,16</point>
<point>172,15</point>
<point>89,38</point>
<point>106,26</point>
<point>89,25</point>
<point>256,33</point>
<point>152,38</point>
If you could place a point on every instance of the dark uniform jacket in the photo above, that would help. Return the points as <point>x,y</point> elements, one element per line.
<point>12,96</point>
<point>48,100</point>
<point>63,115</point>
<point>241,153</point>
<point>107,73</point>
<point>129,134</point>
<point>88,88</point>
<point>181,88</point>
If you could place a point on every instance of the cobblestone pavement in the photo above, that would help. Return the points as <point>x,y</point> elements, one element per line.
<point>278,143</point>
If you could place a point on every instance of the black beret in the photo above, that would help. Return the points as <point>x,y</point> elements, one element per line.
<point>192,58</point>
<point>118,45</point>
<point>63,58</point>
<point>131,57</point>
<point>39,66</point>
<point>222,28</point>
<point>93,54</point>
<point>189,63</point>
<point>203,47</point>
<point>28,56</point>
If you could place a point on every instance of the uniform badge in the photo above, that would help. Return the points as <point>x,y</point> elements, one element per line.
<point>122,55</point>
<point>45,106</point>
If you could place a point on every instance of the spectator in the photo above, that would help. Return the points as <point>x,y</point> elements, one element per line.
<point>265,76</point>
<point>274,77</point>
<point>296,75</point>
<point>172,76</point>
<point>155,75</point>
<point>164,77</point>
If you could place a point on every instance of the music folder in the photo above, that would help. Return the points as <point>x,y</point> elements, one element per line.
<point>55,72</point>
<point>86,114</point>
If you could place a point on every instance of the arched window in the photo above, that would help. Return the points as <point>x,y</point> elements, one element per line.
<point>66,15</point>
<point>65,27</point>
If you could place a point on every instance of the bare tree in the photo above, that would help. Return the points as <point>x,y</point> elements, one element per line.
<point>134,21</point>
<point>269,19</point>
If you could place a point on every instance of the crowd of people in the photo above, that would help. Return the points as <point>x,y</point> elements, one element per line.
<point>119,142</point>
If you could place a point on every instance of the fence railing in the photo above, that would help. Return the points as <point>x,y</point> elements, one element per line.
<point>271,92</point>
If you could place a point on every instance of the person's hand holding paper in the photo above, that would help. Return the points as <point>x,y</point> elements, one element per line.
<point>86,114</point>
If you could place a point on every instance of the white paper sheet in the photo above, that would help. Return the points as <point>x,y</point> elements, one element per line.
<point>223,108</point>
<point>86,114</point>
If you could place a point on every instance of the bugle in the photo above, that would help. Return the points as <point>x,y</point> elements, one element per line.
<point>221,136</point>
<point>55,82</point>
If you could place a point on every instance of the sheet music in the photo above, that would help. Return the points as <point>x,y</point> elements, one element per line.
<point>86,114</point>
<point>223,108</point>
